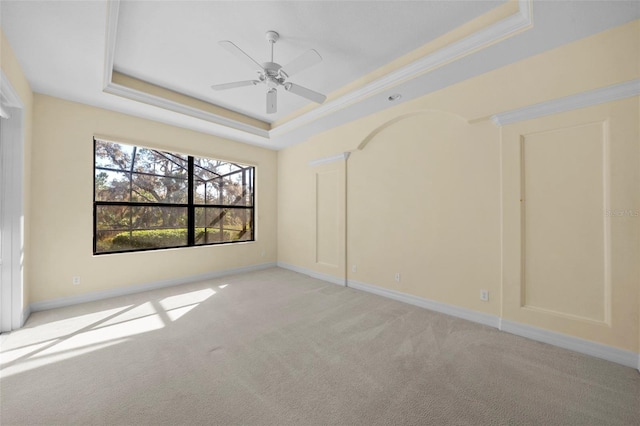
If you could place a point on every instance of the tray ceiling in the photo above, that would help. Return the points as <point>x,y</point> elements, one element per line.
<point>157,60</point>
<point>175,44</point>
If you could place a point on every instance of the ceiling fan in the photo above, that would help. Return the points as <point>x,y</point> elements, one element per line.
<point>273,74</point>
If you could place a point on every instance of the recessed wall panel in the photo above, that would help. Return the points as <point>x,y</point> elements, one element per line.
<point>327,218</point>
<point>565,254</point>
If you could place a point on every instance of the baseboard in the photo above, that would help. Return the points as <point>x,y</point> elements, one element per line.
<point>587,347</point>
<point>25,315</point>
<point>455,311</point>
<point>314,274</point>
<point>106,294</point>
<point>598,350</point>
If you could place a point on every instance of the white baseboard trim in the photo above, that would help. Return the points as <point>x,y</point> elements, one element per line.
<point>455,311</point>
<point>313,274</point>
<point>25,315</point>
<point>106,294</point>
<point>587,347</point>
<point>598,350</point>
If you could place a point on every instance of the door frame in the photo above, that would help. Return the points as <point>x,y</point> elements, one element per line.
<point>12,306</point>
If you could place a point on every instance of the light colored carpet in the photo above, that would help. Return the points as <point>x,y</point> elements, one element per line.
<point>278,348</point>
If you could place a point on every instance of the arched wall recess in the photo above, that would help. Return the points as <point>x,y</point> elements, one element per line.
<point>397,119</point>
<point>422,208</point>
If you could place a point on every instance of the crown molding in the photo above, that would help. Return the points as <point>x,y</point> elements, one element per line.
<point>238,129</point>
<point>568,103</point>
<point>113,7</point>
<point>481,39</point>
<point>477,41</point>
<point>344,156</point>
<point>8,95</point>
<point>137,95</point>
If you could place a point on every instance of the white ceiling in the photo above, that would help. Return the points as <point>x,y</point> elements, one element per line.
<point>174,44</point>
<point>61,47</point>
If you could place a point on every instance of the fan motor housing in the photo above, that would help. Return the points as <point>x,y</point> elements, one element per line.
<point>271,68</point>
<point>272,75</point>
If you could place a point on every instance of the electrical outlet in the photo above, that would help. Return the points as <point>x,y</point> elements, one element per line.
<point>75,280</point>
<point>354,268</point>
<point>397,277</point>
<point>484,295</point>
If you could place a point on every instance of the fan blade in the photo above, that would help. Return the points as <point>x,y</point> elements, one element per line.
<point>234,85</point>
<point>305,93</point>
<point>304,61</point>
<point>272,101</point>
<point>239,53</point>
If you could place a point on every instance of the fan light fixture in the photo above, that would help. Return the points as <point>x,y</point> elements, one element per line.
<point>273,75</point>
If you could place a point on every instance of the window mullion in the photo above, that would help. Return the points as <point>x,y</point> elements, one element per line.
<point>191,210</point>
<point>116,216</point>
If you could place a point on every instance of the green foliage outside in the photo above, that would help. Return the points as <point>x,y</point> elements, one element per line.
<point>150,238</point>
<point>127,176</point>
<point>164,238</point>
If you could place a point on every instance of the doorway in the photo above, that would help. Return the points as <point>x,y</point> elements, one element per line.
<point>12,314</point>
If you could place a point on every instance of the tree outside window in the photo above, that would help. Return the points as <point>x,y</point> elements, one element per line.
<point>149,199</point>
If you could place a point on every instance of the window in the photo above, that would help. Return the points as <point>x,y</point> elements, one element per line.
<point>146,199</point>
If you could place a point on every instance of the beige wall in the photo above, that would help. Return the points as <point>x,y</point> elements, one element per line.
<point>13,71</point>
<point>427,195</point>
<point>572,222</point>
<point>424,200</point>
<point>430,195</point>
<point>62,193</point>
